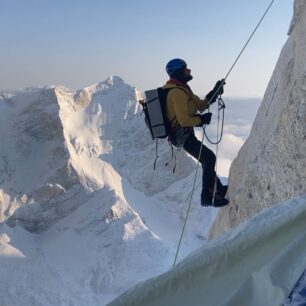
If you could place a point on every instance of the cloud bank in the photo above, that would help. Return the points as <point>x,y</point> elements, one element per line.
<point>239,116</point>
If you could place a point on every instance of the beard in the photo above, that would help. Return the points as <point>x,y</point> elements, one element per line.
<point>181,76</point>
<point>188,78</point>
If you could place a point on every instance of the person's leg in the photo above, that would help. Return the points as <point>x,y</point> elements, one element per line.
<point>208,161</point>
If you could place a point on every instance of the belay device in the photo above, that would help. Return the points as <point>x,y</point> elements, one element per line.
<point>154,108</point>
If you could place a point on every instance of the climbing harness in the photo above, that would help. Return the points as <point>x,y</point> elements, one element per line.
<point>204,134</point>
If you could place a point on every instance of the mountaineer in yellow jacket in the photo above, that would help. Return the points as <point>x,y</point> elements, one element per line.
<point>183,110</point>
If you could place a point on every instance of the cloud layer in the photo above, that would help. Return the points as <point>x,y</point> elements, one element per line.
<point>239,116</point>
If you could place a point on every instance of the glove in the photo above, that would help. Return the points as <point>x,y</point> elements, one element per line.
<point>205,119</point>
<point>218,90</point>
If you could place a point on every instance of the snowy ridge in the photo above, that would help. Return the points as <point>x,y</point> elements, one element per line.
<point>76,196</point>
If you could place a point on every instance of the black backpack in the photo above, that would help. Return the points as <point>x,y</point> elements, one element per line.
<point>154,108</point>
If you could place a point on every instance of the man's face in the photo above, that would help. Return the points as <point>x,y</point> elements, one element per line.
<point>187,73</point>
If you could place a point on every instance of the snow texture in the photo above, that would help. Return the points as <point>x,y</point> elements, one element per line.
<point>81,217</point>
<point>257,263</point>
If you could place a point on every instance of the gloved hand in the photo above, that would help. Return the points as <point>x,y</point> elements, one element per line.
<point>217,90</point>
<point>205,119</point>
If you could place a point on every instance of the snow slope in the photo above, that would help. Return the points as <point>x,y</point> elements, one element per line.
<point>257,263</point>
<point>83,259</point>
<point>83,215</point>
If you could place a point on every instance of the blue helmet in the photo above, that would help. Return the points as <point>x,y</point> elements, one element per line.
<point>175,64</point>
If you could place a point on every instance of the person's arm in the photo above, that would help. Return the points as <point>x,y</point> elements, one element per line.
<point>183,113</point>
<point>201,105</point>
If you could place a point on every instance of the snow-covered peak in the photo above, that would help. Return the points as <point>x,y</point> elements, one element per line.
<point>112,82</point>
<point>43,130</point>
<point>60,145</point>
<point>79,165</point>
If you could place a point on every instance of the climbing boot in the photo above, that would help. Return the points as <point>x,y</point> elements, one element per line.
<point>222,190</point>
<point>219,200</point>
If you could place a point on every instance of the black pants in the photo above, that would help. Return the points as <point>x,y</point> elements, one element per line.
<point>208,160</point>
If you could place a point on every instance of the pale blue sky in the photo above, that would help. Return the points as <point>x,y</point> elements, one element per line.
<point>77,43</point>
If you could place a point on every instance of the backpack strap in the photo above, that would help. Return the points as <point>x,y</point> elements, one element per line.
<point>156,152</point>
<point>172,156</point>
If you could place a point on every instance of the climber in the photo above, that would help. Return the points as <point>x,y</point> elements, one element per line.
<point>182,107</point>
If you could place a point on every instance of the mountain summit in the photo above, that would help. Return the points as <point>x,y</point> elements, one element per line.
<point>79,209</point>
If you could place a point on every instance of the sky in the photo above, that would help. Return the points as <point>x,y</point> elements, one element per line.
<point>77,43</point>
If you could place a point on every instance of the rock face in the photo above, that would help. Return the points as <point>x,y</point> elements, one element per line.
<point>271,165</point>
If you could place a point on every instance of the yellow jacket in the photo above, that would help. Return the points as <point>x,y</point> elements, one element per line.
<point>182,106</point>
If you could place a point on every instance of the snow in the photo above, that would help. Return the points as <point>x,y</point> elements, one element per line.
<point>82,259</point>
<point>257,263</point>
<point>83,216</point>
